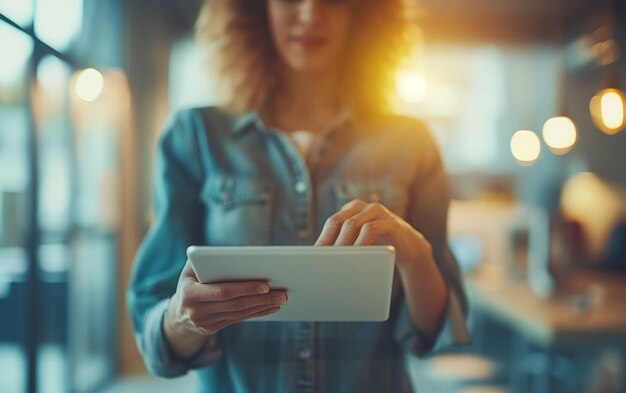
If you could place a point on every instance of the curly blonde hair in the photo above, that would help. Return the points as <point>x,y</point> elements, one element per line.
<point>246,58</point>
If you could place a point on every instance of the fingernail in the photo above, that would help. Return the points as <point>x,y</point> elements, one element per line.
<point>263,289</point>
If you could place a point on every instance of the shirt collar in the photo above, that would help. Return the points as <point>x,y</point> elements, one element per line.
<point>246,121</point>
<point>252,119</point>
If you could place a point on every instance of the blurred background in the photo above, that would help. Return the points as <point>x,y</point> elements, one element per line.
<point>525,98</point>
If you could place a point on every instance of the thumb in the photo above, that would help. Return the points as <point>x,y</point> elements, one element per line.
<point>188,272</point>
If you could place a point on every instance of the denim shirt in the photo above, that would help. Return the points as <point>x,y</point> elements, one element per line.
<point>229,180</point>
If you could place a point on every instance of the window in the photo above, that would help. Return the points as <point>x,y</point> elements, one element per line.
<point>54,172</point>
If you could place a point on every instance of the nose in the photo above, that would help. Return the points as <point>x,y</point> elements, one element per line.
<point>310,11</point>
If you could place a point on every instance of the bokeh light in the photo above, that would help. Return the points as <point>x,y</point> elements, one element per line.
<point>411,86</point>
<point>525,146</point>
<point>89,84</point>
<point>559,133</point>
<point>607,110</point>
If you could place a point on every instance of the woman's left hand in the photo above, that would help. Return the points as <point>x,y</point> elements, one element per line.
<point>361,223</point>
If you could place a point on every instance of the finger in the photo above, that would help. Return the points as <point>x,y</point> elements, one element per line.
<point>352,225</point>
<point>188,272</point>
<point>234,315</point>
<point>371,230</point>
<point>264,312</point>
<point>357,204</point>
<point>195,328</point>
<point>274,298</point>
<point>198,293</point>
<point>217,326</point>
<point>333,224</point>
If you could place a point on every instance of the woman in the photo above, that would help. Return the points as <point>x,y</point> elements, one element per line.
<point>301,152</point>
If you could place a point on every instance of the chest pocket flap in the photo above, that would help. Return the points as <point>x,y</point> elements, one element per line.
<point>239,211</point>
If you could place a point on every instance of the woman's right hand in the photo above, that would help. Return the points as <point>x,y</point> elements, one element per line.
<point>197,310</point>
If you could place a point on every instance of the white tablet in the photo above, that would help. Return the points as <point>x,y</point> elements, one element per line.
<point>340,283</point>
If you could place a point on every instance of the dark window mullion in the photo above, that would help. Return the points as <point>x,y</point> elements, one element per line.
<point>33,282</point>
<point>32,236</point>
<point>44,49</point>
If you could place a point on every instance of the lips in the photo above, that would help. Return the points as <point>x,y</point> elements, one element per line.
<point>309,42</point>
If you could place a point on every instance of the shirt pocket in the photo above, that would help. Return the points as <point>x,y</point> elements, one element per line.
<point>386,192</point>
<point>239,211</point>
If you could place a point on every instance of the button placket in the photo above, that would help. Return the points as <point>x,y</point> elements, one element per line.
<point>305,355</point>
<point>306,334</point>
<point>301,187</point>
<point>306,343</point>
<point>305,337</point>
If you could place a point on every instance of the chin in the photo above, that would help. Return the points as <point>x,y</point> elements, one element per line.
<point>309,66</point>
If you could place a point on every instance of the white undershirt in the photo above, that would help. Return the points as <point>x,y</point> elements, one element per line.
<point>303,140</point>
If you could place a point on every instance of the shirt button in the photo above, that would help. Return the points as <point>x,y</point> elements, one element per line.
<point>304,354</point>
<point>302,234</point>
<point>300,187</point>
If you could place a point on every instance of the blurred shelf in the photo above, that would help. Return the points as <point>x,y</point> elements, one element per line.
<point>554,322</point>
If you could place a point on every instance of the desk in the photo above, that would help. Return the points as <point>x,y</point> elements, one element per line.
<point>553,324</point>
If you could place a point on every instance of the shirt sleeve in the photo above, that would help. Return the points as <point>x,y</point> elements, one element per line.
<point>428,213</point>
<point>453,331</point>
<point>157,355</point>
<point>178,223</point>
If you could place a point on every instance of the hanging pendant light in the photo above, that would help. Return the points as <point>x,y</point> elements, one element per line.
<point>559,132</point>
<point>607,109</point>
<point>525,147</point>
<point>608,106</point>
